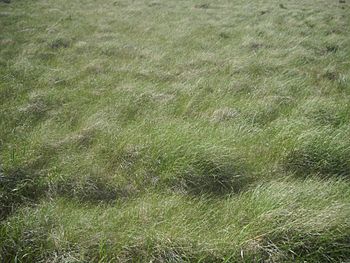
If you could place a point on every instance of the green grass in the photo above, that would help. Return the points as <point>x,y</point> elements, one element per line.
<point>174,131</point>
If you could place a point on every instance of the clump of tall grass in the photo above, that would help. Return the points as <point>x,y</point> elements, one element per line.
<point>321,154</point>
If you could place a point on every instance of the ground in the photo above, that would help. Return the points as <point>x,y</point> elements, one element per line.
<point>174,131</point>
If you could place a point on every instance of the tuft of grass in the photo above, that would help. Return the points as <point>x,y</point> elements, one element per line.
<point>325,155</point>
<point>60,42</point>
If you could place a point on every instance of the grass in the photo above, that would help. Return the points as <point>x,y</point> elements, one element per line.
<point>174,131</point>
<point>280,221</point>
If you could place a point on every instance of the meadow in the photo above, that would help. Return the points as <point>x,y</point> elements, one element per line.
<point>174,131</point>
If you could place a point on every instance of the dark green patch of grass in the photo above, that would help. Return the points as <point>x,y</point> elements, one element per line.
<point>212,177</point>
<point>18,187</point>
<point>60,43</point>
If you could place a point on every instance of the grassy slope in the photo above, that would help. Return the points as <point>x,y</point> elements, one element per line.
<point>174,130</point>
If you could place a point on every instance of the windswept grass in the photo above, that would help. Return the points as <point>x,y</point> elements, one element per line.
<point>174,131</point>
<point>277,221</point>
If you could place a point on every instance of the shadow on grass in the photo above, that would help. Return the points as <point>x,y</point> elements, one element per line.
<point>18,187</point>
<point>90,189</point>
<point>210,177</point>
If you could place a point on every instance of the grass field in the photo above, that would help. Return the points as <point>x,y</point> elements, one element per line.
<point>174,131</point>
